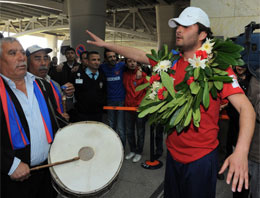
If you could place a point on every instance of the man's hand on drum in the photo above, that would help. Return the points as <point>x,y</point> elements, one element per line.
<point>65,116</point>
<point>21,173</point>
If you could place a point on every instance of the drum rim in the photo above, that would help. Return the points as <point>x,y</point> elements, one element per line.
<point>93,192</point>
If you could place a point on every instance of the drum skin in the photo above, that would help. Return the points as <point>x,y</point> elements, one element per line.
<point>85,178</point>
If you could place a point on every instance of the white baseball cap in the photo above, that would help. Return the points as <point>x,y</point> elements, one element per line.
<point>190,16</point>
<point>36,48</point>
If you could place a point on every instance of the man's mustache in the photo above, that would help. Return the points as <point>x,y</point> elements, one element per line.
<point>42,68</point>
<point>24,63</point>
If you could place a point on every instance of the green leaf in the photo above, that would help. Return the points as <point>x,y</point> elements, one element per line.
<point>142,86</point>
<point>196,73</point>
<point>168,114</point>
<point>180,85</point>
<point>214,64</point>
<point>219,71</point>
<point>196,115</point>
<point>196,123</point>
<point>234,55</point>
<point>154,118</point>
<point>165,107</point>
<point>221,78</point>
<point>165,47</point>
<point>218,85</point>
<point>188,118</point>
<point>210,85</point>
<point>194,87</point>
<point>148,78</point>
<point>146,103</point>
<point>152,57</point>
<point>205,99</point>
<point>160,54</point>
<point>151,110</point>
<point>240,62</point>
<point>189,68</point>
<point>214,93</point>
<point>223,65</point>
<point>229,47</point>
<point>225,58</point>
<point>181,114</point>
<point>155,54</point>
<point>180,127</point>
<point>173,118</point>
<point>198,99</point>
<point>168,82</point>
<point>208,71</point>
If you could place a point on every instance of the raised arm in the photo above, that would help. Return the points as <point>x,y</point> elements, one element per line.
<point>238,160</point>
<point>129,52</point>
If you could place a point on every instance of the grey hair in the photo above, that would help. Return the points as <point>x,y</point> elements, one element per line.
<point>7,40</point>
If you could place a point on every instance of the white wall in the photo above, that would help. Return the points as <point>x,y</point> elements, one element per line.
<point>229,17</point>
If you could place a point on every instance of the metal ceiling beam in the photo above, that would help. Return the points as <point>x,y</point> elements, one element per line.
<point>131,32</point>
<point>34,9</point>
<point>59,6</point>
<point>17,11</point>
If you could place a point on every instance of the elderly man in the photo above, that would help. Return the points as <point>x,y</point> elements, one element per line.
<point>191,166</point>
<point>38,65</point>
<point>28,123</point>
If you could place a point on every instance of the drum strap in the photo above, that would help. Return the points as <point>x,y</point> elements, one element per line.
<point>57,96</point>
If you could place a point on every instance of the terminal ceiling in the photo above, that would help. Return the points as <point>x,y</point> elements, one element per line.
<point>129,18</point>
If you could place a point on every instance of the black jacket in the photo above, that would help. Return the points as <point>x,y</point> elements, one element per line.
<point>91,94</point>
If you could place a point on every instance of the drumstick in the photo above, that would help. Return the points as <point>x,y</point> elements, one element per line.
<point>54,164</point>
<point>64,103</point>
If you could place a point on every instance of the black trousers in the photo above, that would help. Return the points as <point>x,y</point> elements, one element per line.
<point>192,180</point>
<point>38,185</point>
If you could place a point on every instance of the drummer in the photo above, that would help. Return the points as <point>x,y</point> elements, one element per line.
<point>27,128</point>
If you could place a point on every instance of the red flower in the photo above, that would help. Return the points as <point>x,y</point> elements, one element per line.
<point>171,75</point>
<point>152,62</point>
<point>160,93</point>
<point>191,79</point>
<point>202,54</point>
<point>154,78</point>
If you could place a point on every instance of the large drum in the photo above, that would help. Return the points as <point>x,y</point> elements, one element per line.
<point>101,155</point>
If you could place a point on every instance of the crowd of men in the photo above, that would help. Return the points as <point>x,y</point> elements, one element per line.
<point>38,96</point>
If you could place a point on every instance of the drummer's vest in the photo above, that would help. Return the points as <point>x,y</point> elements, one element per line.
<point>15,129</point>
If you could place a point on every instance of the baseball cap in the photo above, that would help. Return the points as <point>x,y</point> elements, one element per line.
<point>36,48</point>
<point>190,16</point>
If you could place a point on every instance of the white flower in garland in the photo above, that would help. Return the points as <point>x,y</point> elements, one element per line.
<point>207,46</point>
<point>163,66</point>
<point>155,87</point>
<point>197,62</point>
<point>152,95</point>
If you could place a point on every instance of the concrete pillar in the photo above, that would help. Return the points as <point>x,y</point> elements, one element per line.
<point>52,43</point>
<point>86,14</point>
<point>165,34</point>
